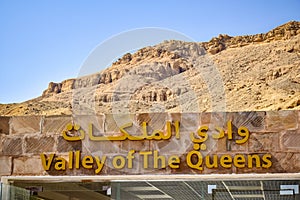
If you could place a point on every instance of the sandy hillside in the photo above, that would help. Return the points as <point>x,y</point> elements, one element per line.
<point>243,73</point>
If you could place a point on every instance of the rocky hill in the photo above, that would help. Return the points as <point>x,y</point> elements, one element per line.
<point>243,73</point>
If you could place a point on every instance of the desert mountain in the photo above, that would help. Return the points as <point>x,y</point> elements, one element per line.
<point>242,73</point>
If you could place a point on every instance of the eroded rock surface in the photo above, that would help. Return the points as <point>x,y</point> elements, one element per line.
<point>253,72</point>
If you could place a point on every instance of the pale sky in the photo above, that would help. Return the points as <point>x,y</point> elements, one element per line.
<point>44,41</point>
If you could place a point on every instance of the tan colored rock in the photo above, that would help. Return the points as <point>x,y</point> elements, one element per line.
<point>4,125</point>
<point>284,120</point>
<point>22,124</point>
<point>52,88</point>
<point>67,85</point>
<point>55,124</point>
<point>264,142</point>
<point>255,72</point>
<point>39,144</point>
<point>290,141</point>
<point>27,166</point>
<point>65,146</point>
<point>5,165</point>
<point>12,146</point>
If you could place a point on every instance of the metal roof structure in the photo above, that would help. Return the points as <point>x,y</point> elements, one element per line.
<point>159,190</point>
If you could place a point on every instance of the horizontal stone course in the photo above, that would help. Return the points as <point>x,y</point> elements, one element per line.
<point>266,142</point>
<point>25,124</point>
<point>24,138</point>
<point>12,146</point>
<point>27,166</point>
<point>282,120</point>
<point>39,144</point>
<point>101,146</point>
<point>97,122</point>
<point>55,124</point>
<point>254,121</point>
<point>286,162</point>
<point>65,146</point>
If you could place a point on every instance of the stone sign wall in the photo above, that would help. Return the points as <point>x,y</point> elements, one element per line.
<point>138,144</point>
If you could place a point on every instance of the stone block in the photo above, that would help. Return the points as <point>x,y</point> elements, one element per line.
<point>220,145</point>
<point>286,162</point>
<point>65,146</point>
<point>96,120</point>
<point>233,146</point>
<point>12,146</point>
<point>189,122</point>
<point>102,147</point>
<point>55,124</point>
<point>173,145</point>
<point>154,120</point>
<point>39,144</point>
<point>27,166</point>
<point>254,121</point>
<point>290,141</point>
<point>213,119</point>
<point>281,120</point>
<point>175,116</point>
<point>25,124</point>
<point>143,117</point>
<point>5,165</point>
<point>263,142</point>
<point>128,145</point>
<point>4,125</point>
<point>114,121</point>
<point>205,118</point>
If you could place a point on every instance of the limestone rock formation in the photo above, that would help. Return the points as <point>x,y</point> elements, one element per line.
<point>252,72</point>
<point>283,32</point>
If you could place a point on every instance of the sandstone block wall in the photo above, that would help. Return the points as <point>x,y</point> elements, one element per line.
<point>23,139</point>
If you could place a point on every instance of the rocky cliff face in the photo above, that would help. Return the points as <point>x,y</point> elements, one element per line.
<point>283,32</point>
<point>253,72</point>
<point>173,64</point>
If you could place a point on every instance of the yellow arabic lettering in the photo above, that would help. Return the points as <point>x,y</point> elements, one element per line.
<point>229,130</point>
<point>109,138</point>
<point>220,135</point>
<point>177,129</point>
<point>243,132</point>
<point>70,128</point>
<point>169,132</point>
<point>157,134</point>
<point>202,132</point>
